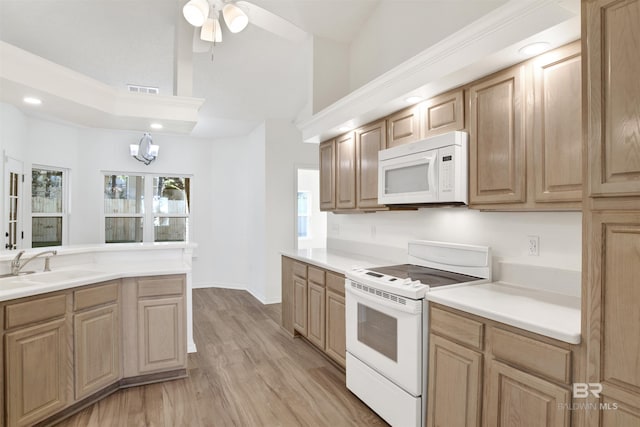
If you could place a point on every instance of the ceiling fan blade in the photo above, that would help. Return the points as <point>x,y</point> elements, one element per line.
<point>199,45</point>
<point>272,22</point>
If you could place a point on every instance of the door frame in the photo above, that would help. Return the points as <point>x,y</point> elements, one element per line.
<point>11,164</point>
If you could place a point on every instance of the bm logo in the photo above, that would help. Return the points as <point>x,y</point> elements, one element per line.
<point>582,390</point>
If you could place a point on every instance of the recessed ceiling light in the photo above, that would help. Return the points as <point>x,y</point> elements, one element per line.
<point>31,100</point>
<point>156,126</point>
<point>413,99</point>
<point>534,48</point>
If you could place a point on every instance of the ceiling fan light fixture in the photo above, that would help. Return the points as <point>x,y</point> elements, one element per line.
<point>235,18</point>
<point>211,31</point>
<point>196,12</point>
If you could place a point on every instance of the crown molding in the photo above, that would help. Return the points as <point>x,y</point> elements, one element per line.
<point>454,61</point>
<point>77,98</point>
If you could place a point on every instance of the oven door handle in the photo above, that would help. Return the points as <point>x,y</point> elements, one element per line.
<point>414,308</point>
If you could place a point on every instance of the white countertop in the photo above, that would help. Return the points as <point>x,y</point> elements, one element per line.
<point>340,262</point>
<point>83,274</point>
<point>546,313</point>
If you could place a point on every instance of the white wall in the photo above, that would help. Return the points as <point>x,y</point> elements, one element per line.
<point>284,149</point>
<point>400,29</point>
<point>505,232</point>
<point>256,233</point>
<point>87,152</point>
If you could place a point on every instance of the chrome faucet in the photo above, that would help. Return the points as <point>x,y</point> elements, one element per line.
<point>16,265</point>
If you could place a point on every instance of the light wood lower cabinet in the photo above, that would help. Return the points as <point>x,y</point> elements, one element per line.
<point>511,377</point>
<point>97,349</point>
<point>455,384</point>
<point>63,349</point>
<point>37,366</point>
<point>316,307</point>
<point>517,398</point>
<point>161,334</point>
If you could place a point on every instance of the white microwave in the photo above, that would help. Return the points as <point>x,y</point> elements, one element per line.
<point>434,170</point>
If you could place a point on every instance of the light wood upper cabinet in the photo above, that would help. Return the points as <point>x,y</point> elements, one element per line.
<point>517,398</point>
<point>37,366</point>
<point>327,176</point>
<point>369,140</point>
<point>557,125</point>
<point>403,127</point>
<point>443,113</point>
<point>613,93</point>
<point>345,171</point>
<point>497,139</point>
<point>455,384</point>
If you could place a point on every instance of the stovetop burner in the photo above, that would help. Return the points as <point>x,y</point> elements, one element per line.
<point>428,276</point>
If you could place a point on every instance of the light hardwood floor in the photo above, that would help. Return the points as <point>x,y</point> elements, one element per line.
<point>247,372</point>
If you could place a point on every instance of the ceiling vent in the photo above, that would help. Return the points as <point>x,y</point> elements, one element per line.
<point>143,89</point>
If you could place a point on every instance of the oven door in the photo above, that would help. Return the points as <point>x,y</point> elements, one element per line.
<point>411,178</point>
<point>386,335</point>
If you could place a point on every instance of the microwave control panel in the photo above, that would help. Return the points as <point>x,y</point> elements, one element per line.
<point>446,172</point>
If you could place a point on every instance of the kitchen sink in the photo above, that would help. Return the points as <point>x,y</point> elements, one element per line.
<point>22,273</point>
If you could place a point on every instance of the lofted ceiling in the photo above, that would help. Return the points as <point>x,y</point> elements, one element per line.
<point>250,76</point>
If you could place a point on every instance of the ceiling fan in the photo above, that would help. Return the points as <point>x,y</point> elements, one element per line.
<point>237,14</point>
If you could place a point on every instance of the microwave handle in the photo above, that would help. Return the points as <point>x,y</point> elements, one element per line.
<point>432,173</point>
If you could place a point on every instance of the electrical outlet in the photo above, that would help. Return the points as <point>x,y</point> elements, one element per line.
<point>533,245</point>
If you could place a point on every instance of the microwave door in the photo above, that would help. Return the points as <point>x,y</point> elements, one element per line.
<point>409,179</point>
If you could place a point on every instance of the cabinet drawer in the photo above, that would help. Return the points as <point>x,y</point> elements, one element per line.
<point>98,295</point>
<point>300,270</point>
<point>535,356</point>
<point>36,310</point>
<point>458,328</point>
<point>316,275</point>
<point>335,283</point>
<point>160,286</point>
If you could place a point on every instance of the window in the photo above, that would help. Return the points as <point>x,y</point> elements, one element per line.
<point>123,208</point>
<point>146,208</point>
<point>170,209</point>
<point>304,214</point>
<point>48,212</point>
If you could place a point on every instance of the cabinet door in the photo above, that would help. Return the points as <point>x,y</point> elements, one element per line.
<point>97,349</point>
<point>557,125</point>
<point>369,140</point>
<point>327,176</point>
<point>287,294</point>
<point>455,384</point>
<point>300,305</point>
<point>497,139</point>
<point>443,113</point>
<point>162,334</point>
<point>517,398</point>
<point>336,329</point>
<point>613,94</point>
<point>403,127</point>
<point>346,172</point>
<point>37,372</point>
<point>315,308</point>
<point>612,311</point>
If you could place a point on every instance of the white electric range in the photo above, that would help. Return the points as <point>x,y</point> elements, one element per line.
<point>387,324</point>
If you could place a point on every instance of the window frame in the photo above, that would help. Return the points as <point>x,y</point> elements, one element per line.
<point>307,215</point>
<point>66,203</point>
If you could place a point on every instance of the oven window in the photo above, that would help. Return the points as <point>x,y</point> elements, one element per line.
<point>408,179</point>
<point>378,331</point>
